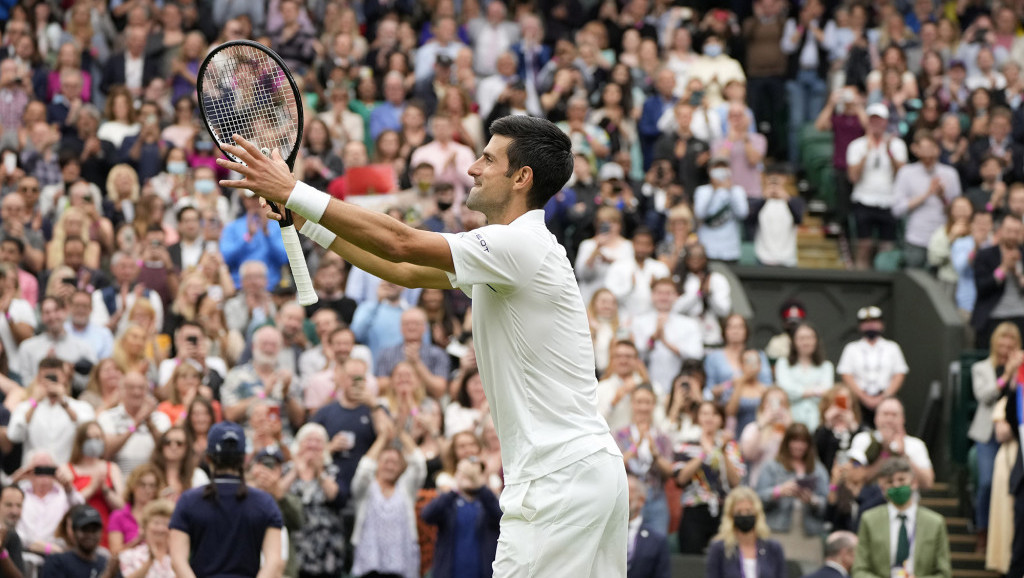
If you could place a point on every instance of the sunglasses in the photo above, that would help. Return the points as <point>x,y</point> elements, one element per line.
<point>177,443</point>
<point>29,189</point>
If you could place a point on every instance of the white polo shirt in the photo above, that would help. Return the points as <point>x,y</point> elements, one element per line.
<point>533,345</point>
<point>875,186</point>
<point>872,365</point>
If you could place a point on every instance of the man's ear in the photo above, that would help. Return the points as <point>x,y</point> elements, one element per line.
<point>523,177</point>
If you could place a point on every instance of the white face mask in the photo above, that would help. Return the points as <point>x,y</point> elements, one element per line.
<point>720,173</point>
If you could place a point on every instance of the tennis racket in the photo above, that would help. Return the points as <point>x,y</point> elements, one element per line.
<point>245,88</point>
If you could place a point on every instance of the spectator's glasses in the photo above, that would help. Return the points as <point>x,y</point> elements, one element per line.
<point>357,378</point>
<point>34,189</point>
<point>175,443</point>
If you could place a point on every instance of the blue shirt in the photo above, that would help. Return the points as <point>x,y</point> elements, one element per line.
<point>67,564</point>
<point>378,325</point>
<point>226,533</point>
<point>467,541</point>
<point>357,420</point>
<point>385,116</point>
<point>266,247</point>
<point>960,253</point>
<point>718,370</point>
<point>720,212</point>
<point>99,337</point>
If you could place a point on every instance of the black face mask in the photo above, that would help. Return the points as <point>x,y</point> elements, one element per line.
<point>443,206</point>
<point>744,523</point>
<point>871,334</point>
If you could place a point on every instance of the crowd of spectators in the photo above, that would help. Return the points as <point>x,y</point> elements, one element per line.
<point>143,303</point>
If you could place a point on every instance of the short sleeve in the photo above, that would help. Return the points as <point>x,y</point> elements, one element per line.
<point>497,256</point>
<point>180,517</point>
<point>899,362</point>
<point>274,518</point>
<point>22,312</point>
<point>845,361</point>
<point>855,152</point>
<point>898,150</point>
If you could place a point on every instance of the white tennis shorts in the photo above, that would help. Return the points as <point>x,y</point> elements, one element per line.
<point>572,522</point>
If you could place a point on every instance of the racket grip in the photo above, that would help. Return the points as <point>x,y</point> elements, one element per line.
<point>297,262</point>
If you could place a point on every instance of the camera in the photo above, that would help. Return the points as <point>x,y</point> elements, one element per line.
<point>192,340</point>
<point>604,228</point>
<point>51,377</point>
<point>44,470</point>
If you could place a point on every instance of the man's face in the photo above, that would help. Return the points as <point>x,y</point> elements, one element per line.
<point>637,497</point>
<point>188,226</point>
<point>643,247</point>
<point>998,128</point>
<point>877,125</point>
<point>341,345</point>
<point>74,255</point>
<point>390,291</point>
<point>325,321</point>
<point>10,506</point>
<point>414,324</point>
<point>9,253</point>
<point>53,316</point>
<point>889,417</point>
<point>12,208</point>
<point>354,379</point>
<point>663,295</point>
<point>28,188</point>
<point>289,321</point>
<point>135,388</point>
<point>88,538</point>
<point>81,309</point>
<point>126,270</point>
<point>927,152</point>
<point>491,187</point>
<point>268,344</point>
<point>624,359</point>
<point>1011,232</point>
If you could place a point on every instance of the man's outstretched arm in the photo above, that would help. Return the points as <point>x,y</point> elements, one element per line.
<point>371,241</point>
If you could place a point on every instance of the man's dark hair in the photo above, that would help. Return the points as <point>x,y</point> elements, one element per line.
<point>71,240</point>
<point>51,363</point>
<point>185,209</point>
<point>539,144</point>
<point>17,243</point>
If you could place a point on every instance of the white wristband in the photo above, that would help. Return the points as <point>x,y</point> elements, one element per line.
<point>308,202</point>
<point>319,234</point>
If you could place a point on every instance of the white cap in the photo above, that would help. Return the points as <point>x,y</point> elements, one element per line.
<point>878,109</point>
<point>611,171</point>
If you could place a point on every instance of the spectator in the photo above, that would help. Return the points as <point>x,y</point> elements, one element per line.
<point>962,254</point>
<point>706,468</point>
<point>348,420</point>
<point>253,237</point>
<point>467,518</point>
<point>252,306</point>
<point>724,365</point>
<point>958,224</point>
<point>467,409</point>
<point>132,68</point>
<point>720,207</point>
<point>11,500</point>
<point>82,559</point>
<point>803,41</point>
<point>777,216</point>
<point>988,379</point>
<point>922,190</point>
<point>319,543</point>
<point>606,326</point>
<point>49,422</point>
<point>840,422</point>
<point>384,489</point>
<point>806,375</point>
<point>625,373</point>
<point>630,281</point>
<point>665,339</point>
<point>151,558</point>
<point>17,225</point>
<point>176,461</point>
<point>1000,144</point>
<point>872,163</point>
<point>765,62</point>
<point>760,439</point>
<point>873,367</point>
<point>20,317</point>
<point>683,402</point>
<point>49,494</point>
<point>871,449</point>
<point>998,281</point>
<point>80,326</point>
<point>110,305</point>
<point>100,482</point>
<point>742,541</point>
<point>144,484</point>
<point>679,228</point>
<point>260,379</point>
<point>705,295</point>
<point>598,254</point>
<point>902,517</point>
<point>745,149</point>
<point>794,489</point>
<point>688,154</point>
<point>12,254</point>
<point>647,454</point>
<point>376,323</point>
<point>840,550</point>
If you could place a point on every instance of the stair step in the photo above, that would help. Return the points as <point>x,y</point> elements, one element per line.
<point>938,490</point>
<point>962,542</point>
<point>967,560</point>
<point>959,523</point>
<point>958,573</point>
<point>939,502</point>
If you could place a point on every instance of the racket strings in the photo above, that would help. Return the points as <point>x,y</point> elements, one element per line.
<point>246,92</point>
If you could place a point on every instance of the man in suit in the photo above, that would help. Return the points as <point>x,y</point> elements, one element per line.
<point>902,536</point>
<point>132,68</point>
<point>647,549</point>
<point>840,550</point>
<point>999,281</point>
<point>998,143</point>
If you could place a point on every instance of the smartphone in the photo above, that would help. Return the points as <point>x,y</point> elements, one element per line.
<point>696,97</point>
<point>44,470</point>
<point>155,244</point>
<point>192,339</point>
<point>807,483</point>
<point>52,378</point>
<point>604,228</point>
<point>274,412</point>
<point>10,161</point>
<point>842,401</point>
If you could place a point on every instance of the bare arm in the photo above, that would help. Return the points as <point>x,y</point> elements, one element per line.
<point>273,565</point>
<point>181,545</point>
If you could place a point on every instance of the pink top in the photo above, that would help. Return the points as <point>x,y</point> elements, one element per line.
<point>123,521</point>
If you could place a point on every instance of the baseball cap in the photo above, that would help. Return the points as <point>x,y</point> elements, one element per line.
<point>870,313</point>
<point>86,516</point>
<point>878,109</point>
<point>957,63</point>
<point>611,171</point>
<point>270,457</point>
<point>720,160</point>
<point>444,60</point>
<point>226,437</point>
<point>794,312</point>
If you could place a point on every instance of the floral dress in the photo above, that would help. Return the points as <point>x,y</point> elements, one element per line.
<point>319,545</point>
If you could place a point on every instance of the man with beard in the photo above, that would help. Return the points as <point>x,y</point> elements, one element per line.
<point>82,559</point>
<point>261,379</point>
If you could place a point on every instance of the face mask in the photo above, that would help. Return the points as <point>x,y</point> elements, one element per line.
<point>720,173</point>
<point>177,167</point>
<point>871,334</point>
<point>443,206</point>
<point>712,50</point>
<point>93,448</point>
<point>899,495</point>
<point>205,186</point>
<point>423,186</point>
<point>744,523</point>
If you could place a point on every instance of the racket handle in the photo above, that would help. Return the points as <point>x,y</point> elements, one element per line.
<point>297,262</point>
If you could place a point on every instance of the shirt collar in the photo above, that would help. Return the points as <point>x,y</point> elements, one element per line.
<point>910,513</point>
<point>529,219</point>
<point>837,567</point>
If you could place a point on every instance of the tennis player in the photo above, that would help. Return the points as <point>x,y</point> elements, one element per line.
<point>565,503</point>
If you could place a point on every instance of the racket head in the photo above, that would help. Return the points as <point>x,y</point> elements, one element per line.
<point>245,88</point>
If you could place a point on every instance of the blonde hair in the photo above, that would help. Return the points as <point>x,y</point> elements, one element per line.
<point>115,172</point>
<point>1004,329</point>
<point>159,507</point>
<point>181,306</point>
<point>726,531</point>
<point>55,248</point>
<point>122,358</point>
